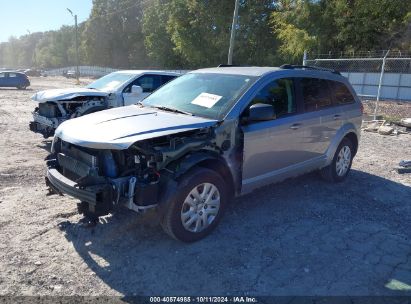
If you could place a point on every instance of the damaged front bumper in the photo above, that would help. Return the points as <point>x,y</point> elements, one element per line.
<point>106,194</point>
<point>43,125</point>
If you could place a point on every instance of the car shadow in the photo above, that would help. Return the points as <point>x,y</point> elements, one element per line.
<point>283,239</point>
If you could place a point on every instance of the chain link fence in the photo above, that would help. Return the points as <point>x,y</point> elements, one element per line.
<point>381,79</point>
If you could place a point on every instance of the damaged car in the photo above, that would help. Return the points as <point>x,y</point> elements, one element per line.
<point>117,89</point>
<point>204,138</point>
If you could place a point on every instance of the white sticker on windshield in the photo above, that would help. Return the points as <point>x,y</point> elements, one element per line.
<point>206,100</point>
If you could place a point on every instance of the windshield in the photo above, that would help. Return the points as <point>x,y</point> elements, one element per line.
<point>205,95</point>
<point>110,82</point>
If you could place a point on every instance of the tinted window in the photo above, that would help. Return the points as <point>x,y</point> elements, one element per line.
<point>167,78</point>
<point>149,83</point>
<point>12,75</point>
<point>316,94</point>
<point>279,94</point>
<point>2,75</point>
<point>341,93</point>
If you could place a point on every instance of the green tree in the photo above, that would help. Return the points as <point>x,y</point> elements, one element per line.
<point>324,26</point>
<point>113,35</point>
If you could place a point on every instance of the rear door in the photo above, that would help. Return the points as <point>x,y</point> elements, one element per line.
<point>321,117</point>
<point>14,80</point>
<point>3,79</point>
<point>344,101</point>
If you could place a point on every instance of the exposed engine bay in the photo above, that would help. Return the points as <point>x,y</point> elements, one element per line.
<point>106,179</point>
<point>47,116</point>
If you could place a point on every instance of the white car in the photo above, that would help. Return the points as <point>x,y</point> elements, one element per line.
<point>117,89</point>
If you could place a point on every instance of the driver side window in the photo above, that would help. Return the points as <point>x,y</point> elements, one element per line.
<point>148,83</point>
<point>280,95</point>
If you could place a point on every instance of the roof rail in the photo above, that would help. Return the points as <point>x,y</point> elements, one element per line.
<point>308,67</point>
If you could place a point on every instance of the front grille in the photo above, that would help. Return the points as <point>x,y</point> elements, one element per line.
<point>48,110</point>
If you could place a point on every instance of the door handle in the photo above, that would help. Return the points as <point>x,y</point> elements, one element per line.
<point>295,126</point>
<point>337,116</point>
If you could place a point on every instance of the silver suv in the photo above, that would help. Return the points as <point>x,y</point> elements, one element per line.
<point>204,138</point>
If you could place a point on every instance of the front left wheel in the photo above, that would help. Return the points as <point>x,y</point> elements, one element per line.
<point>197,207</point>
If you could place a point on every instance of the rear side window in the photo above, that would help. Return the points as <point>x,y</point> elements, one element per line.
<point>341,93</point>
<point>2,75</point>
<point>12,75</point>
<point>316,94</point>
<point>279,94</point>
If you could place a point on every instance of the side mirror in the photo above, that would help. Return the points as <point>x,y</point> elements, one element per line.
<point>261,112</point>
<point>136,90</point>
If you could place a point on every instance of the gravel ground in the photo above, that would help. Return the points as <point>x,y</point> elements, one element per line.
<point>299,237</point>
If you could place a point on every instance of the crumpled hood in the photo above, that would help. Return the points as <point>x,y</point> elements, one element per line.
<point>119,128</point>
<point>65,94</point>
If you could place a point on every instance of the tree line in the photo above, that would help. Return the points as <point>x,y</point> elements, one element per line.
<point>195,33</point>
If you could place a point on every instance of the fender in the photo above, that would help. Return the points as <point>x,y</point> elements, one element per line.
<point>208,160</point>
<point>190,160</point>
<point>341,133</point>
<point>180,167</point>
<point>88,106</point>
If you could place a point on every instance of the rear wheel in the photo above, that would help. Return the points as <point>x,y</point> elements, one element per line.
<point>21,87</point>
<point>340,166</point>
<point>197,207</point>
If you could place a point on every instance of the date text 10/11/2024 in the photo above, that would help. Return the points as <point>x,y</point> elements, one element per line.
<point>204,299</point>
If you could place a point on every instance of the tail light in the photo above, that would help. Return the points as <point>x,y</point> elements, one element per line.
<point>362,107</point>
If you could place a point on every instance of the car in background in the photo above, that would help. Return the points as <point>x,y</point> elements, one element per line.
<point>113,90</point>
<point>33,72</point>
<point>208,136</point>
<point>14,79</point>
<point>69,74</point>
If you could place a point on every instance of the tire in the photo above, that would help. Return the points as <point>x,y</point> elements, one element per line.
<point>183,204</point>
<point>335,174</point>
<point>21,87</point>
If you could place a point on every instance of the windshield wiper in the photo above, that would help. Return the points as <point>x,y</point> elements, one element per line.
<point>164,108</point>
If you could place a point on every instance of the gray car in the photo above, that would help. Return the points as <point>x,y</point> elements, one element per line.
<point>202,139</point>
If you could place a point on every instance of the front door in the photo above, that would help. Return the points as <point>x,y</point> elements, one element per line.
<point>149,83</point>
<point>274,145</point>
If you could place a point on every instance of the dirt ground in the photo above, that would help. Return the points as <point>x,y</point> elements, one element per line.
<point>299,237</point>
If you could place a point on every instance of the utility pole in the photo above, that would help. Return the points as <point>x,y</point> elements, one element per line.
<point>77,57</point>
<point>233,28</point>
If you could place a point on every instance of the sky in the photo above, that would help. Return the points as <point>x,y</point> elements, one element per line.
<point>20,16</point>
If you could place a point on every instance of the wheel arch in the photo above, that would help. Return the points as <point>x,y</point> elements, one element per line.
<point>347,131</point>
<point>206,160</point>
<point>354,140</point>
